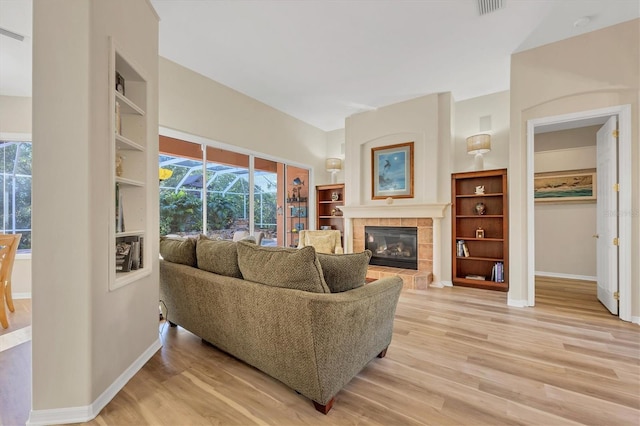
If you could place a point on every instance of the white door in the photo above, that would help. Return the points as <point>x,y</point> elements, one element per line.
<point>607,222</point>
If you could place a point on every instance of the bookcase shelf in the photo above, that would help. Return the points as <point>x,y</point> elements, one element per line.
<point>328,199</point>
<point>481,223</point>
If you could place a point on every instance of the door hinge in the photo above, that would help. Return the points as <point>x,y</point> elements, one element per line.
<point>615,133</point>
<point>616,187</point>
<point>616,295</point>
<point>616,241</point>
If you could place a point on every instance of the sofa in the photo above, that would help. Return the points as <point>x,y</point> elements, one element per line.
<point>304,318</point>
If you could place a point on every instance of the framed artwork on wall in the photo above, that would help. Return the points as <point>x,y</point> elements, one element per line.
<point>392,171</point>
<point>574,185</point>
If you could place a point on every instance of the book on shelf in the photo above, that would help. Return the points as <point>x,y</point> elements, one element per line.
<point>461,249</point>
<point>118,123</point>
<point>119,210</point>
<point>123,257</point>
<point>497,272</point>
<point>129,253</point>
<point>476,277</point>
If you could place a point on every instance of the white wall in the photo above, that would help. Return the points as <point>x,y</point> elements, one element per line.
<point>15,114</point>
<point>561,78</point>
<point>467,123</point>
<point>85,337</point>
<point>15,118</point>
<point>564,243</point>
<point>427,121</point>
<point>336,149</point>
<point>196,105</point>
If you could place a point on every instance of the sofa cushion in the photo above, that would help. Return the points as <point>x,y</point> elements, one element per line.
<point>282,267</point>
<point>218,256</point>
<point>178,250</point>
<point>343,272</point>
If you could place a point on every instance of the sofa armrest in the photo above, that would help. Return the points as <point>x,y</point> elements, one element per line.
<point>350,329</point>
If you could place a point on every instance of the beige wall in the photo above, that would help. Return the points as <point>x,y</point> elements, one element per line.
<point>196,105</point>
<point>15,114</point>
<point>15,117</point>
<point>427,121</point>
<point>595,70</point>
<point>85,336</point>
<point>335,149</point>
<point>564,243</point>
<point>467,123</point>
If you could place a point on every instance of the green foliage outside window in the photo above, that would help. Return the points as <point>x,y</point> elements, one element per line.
<point>15,190</point>
<point>180,212</point>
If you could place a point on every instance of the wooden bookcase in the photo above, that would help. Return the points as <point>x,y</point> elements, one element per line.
<point>327,204</point>
<point>490,246</point>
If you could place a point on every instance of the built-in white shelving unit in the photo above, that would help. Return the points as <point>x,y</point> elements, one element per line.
<point>129,162</point>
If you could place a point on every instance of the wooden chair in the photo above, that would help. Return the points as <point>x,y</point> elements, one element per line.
<point>8,248</point>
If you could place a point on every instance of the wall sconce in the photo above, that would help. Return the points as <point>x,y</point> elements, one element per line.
<point>333,166</point>
<point>478,145</point>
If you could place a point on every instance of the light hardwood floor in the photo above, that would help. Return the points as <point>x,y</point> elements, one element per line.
<point>459,356</point>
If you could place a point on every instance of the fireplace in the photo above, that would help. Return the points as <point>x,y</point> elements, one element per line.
<point>395,246</point>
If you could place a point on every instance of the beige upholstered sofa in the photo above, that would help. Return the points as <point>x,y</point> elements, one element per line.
<point>303,318</point>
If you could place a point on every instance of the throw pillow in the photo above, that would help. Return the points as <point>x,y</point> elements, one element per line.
<point>322,243</point>
<point>218,256</point>
<point>282,267</point>
<point>343,272</point>
<point>178,250</point>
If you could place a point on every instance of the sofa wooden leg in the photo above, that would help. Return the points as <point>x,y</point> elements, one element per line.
<point>324,409</point>
<point>173,324</point>
<point>383,353</point>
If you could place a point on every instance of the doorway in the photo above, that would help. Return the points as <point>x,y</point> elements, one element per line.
<point>623,213</point>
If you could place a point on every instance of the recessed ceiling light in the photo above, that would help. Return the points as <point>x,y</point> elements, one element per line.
<point>581,22</point>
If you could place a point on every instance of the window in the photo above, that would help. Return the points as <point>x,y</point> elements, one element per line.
<point>242,192</point>
<point>181,194</point>
<point>15,186</point>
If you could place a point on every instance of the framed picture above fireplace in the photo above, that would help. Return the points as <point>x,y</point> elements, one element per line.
<point>392,171</point>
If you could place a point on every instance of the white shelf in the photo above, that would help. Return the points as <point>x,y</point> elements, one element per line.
<point>130,233</point>
<point>130,182</point>
<point>130,143</point>
<point>126,105</point>
<point>124,278</point>
<point>126,144</point>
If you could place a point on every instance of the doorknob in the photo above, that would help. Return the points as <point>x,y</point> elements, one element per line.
<point>596,236</point>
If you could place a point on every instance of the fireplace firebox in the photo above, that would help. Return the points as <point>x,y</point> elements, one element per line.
<point>395,246</point>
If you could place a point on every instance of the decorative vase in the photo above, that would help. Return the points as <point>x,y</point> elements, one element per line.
<point>119,159</point>
<point>335,196</point>
<point>480,208</point>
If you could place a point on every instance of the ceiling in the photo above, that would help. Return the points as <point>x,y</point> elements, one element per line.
<point>323,60</point>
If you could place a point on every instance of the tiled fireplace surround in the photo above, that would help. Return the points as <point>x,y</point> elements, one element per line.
<point>418,280</point>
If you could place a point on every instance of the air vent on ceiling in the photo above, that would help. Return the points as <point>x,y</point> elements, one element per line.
<point>488,6</point>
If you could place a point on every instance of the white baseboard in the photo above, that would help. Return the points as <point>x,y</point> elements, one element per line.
<point>635,320</point>
<point>21,295</point>
<point>566,276</point>
<point>517,303</point>
<point>89,412</point>
<point>446,283</point>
